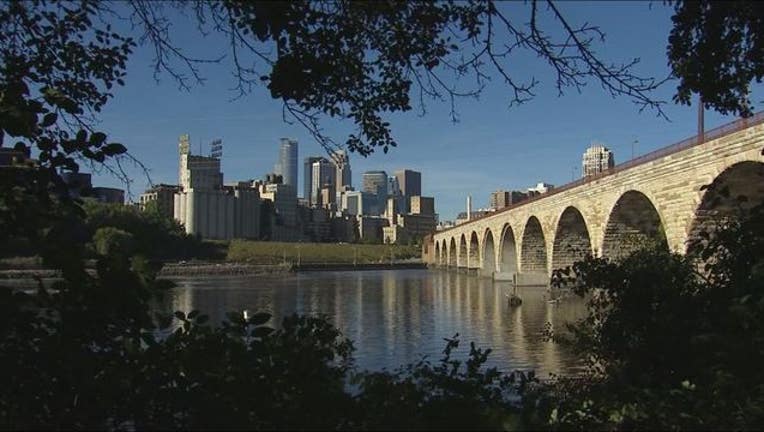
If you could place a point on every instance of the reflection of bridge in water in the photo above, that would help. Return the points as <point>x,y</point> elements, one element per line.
<point>659,197</point>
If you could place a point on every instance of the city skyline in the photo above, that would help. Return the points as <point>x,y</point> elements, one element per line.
<point>514,148</point>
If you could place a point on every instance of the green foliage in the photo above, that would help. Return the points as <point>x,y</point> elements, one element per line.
<point>310,253</point>
<point>670,342</point>
<point>113,241</point>
<point>716,50</point>
<point>154,235</point>
<point>447,395</point>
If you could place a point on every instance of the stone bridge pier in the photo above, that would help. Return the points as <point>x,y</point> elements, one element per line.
<point>665,198</point>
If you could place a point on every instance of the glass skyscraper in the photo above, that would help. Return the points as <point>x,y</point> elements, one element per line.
<point>287,164</point>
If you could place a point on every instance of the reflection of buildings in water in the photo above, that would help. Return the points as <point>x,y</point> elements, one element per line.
<point>517,331</point>
<point>395,316</point>
<point>359,294</point>
<point>389,300</point>
<point>497,300</point>
<point>482,286</point>
<point>550,351</point>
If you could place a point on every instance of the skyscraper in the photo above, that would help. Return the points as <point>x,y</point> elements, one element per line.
<point>375,183</point>
<point>322,174</point>
<point>341,162</point>
<point>308,177</point>
<point>410,183</point>
<point>287,163</point>
<point>597,159</point>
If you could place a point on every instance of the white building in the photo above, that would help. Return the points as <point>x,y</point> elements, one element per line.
<point>540,188</point>
<point>596,159</point>
<point>208,209</point>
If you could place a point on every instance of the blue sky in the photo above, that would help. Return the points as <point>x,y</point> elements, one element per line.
<point>493,146</point>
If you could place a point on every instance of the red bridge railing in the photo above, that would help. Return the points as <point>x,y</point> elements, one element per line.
<point>718,132</point>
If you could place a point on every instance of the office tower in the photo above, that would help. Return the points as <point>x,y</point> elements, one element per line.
<point>341,162</point>
<point>410,182</point>
<point>422,205</point>
<point>502,198</point>
<point>597,159</point>
<point>308,177</point>
<point>375,183</point>
<point>322,174</point>
<point>287,163</point>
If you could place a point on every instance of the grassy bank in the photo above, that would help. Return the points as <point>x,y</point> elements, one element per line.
<point>309,253</point>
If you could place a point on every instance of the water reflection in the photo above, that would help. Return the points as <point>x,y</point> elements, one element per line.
<point>394,317</point>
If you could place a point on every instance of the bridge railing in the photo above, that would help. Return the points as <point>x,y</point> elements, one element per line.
<point>715,133</point>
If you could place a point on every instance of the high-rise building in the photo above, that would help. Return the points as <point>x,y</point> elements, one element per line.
<point>343,178</point>
<point>375,183</point>
<point>502,198</point>
<point>287,163</point>
<point>323,173</point>
<point>410,182</point>
<point>308,177</point>
<point>422,205</point>
<point>597,159</point>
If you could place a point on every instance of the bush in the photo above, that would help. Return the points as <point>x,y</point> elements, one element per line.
<point>670,342</point>
<point>113,241</point>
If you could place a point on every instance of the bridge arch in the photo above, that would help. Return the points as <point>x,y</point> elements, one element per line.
<point>508,248</point>
<point>462,260</point>
<point>443,253</point>
<point>533,248</point>
<point>474,251</point>
<point>452,253</point>
<point>437,253</point>
<point>633,222</point>
<point>572,241</point>
<point>488,261</point>
<point>721,199</point>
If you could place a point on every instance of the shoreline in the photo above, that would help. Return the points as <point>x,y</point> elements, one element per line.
<point>173,270</point>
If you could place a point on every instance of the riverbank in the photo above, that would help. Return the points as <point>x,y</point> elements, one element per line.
<point>259,252</point>
<point>201,269</point>
<point>244,269</point>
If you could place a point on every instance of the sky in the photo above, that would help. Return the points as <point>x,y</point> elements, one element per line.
<point>492,146</point>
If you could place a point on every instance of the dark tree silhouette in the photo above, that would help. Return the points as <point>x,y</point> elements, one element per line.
<point>716,49</point>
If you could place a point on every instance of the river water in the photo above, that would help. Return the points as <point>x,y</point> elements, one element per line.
<point>394,317</point>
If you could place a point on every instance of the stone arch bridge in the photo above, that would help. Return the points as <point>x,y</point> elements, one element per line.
<point>666,196</point>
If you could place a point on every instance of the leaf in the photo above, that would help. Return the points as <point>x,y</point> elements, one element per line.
<point>97,139</point>
<point>193,314</point>
<point>180,315</point>
<point>114,149</point>
<point>49,119</point>
<point>259,318</point>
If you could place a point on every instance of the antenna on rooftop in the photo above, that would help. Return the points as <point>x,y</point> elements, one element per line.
<point>216,148</point>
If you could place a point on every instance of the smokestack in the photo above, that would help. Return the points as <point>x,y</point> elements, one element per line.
<point>469,207</point>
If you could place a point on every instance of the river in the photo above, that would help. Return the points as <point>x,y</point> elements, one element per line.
<point>396,316</point>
